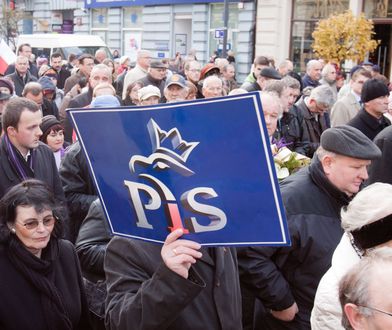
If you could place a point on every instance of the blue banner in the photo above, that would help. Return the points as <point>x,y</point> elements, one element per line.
<point>204,166</point>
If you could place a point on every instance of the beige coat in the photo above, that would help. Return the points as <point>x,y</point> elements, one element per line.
<point>344,110</point>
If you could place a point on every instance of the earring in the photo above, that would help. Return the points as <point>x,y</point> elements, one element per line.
<point>13,230</point>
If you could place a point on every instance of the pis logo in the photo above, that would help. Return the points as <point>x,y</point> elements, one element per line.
<point>164,159</point>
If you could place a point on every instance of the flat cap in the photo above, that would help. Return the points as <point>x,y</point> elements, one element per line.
<point>270,73</point>
<point>157,64</point>
<point>145,92</point>
<point>349,141</point>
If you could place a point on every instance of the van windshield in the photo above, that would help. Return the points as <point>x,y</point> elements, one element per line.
<point>65,51</point>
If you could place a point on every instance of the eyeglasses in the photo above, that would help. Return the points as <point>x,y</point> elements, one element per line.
<point>376,309</point>
<point>33,224</point>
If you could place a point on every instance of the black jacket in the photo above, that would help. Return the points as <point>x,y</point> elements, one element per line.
<point>253,87</point>
<point>280,276</point>
<point>369,125</point>
<point>94,235</point>
<point>290,129</point>
<point>78,187</point>
<point>20,83</point>
<point>307,81</point>
<point>380,169</point>
<point>148,80</point>
<point>63,74</point>
<point>79,101</point>
<point>32,69</point>
<point>144,294</point>
<point>20,303</point>
<point>311,127</point>
<point>44,167</point>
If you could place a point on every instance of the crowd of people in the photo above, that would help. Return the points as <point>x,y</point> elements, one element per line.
<point>63,269</point>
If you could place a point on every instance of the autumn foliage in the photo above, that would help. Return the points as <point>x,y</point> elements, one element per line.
<point>344,37</point>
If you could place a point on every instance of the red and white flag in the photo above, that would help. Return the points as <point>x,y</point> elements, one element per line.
<point>7,56</point>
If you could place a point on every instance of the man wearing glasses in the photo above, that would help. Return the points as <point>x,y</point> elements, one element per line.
<point>364,293</point>
<point>314,110</point>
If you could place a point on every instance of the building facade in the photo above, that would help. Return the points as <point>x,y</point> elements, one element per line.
<point>166,29</point>
<point>284,28</point>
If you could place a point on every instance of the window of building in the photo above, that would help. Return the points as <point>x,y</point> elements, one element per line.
<point>306,14</point>
<point>132,31</point>
<point>99,22</point>
<point>378,9</point>
<point>216,23</point>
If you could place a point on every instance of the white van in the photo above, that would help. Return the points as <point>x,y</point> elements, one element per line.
<point>65,44</point>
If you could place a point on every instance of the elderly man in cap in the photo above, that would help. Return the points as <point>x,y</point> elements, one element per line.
<point>284,280</point>
<point>370,119</point>
<point>156,76</point>
<point>149,95</point>
<point>175,89</point>
<point>265,75</point>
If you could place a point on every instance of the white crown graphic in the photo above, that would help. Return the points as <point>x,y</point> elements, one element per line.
<point>163,158</point>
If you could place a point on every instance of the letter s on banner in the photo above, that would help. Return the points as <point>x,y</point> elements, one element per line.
<point>217,216</point>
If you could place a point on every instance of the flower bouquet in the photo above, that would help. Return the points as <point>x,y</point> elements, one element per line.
<point>287,162</point>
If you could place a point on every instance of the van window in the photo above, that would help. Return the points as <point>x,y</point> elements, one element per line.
<point>80,50</point>
<point>38,52</point>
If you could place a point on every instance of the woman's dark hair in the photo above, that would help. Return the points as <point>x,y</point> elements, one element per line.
<point>127,100</point>
<point>55,128</point>
<point>29,193</point>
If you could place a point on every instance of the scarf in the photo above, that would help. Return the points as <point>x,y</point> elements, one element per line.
<point>39,272</point>
<point>319,178</point>
<point>22,168</point>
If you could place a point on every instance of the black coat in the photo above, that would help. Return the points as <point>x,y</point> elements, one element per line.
<point>144,294</point>
<point>20,83</point>
<point>380,169</point>
<point>369,125</point>
<point>280,276</point>
<point>78,187</point>
<point>32,69</point>
<point>311,127</point>
<point>63,74</point>
<point>290,129</point>
<point>148,80</point>
<point>44,166</point>
<point>79,101</point>
<point>94,235</point>
<point>20,303</point>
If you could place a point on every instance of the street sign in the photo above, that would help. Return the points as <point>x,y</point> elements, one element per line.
<point>204,166</point>
<point>219,33</point>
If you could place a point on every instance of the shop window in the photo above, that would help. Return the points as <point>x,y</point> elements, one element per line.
<point>216,23</point>
<point>378,9</point>
<point>99,22</point>
<point>306,14</point>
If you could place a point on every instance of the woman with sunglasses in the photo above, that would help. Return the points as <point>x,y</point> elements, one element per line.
<point>40,282</point>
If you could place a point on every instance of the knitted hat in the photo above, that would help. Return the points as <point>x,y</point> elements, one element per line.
<point>47,83</point>
<point>372,89</point>
<point>8,84</point>
<point>48,122</point>
<point>349,141</point>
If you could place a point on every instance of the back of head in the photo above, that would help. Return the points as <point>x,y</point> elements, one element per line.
<point>33,88</point>
<point>277,86</point>
<point>261,60</point>
<point>322,94</point>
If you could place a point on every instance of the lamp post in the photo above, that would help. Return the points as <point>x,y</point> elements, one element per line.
<point>225,27</point>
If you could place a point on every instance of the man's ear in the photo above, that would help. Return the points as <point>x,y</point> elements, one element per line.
<point>326,163</point>
<point>354,316</point>
<point>11,131</point>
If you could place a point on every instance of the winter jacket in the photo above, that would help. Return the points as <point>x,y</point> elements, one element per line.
<point>280,276</point>
<point>44,167</point>
<point>78,187</point>
<point>145,294</point>
<point>369,125</point>
<point>380,169</point>
<point>327,313</point>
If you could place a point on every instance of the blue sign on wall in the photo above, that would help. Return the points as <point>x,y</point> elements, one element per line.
<point>204,166</point>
